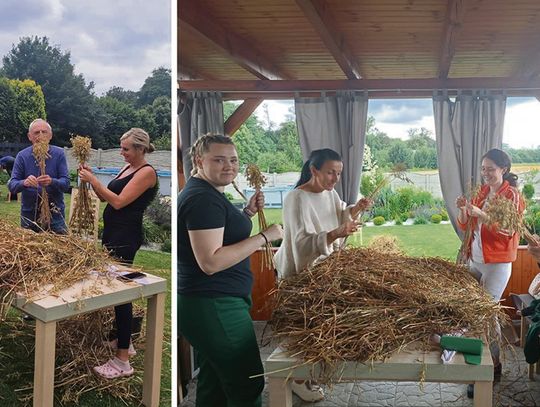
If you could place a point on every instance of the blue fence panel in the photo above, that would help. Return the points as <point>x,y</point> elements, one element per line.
<point>105,175</point>
<point>273,196</point>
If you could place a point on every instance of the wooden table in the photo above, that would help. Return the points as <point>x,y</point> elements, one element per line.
<point>404,366</point>
<point>74,301</point>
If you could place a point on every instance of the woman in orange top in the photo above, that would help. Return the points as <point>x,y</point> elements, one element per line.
<point>492,250</point>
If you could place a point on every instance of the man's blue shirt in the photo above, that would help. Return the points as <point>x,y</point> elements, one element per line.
<point>55,167</point>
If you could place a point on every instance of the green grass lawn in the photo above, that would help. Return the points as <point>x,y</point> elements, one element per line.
<point>416,240</point>
<point>17,354</point>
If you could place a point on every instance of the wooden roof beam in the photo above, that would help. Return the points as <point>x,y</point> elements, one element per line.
<point>319,15</point>
<point>396,85</point>
<point>530,68</point>
<point>189,72</point>
<point>455,13</point>
<point>240,115</point>
<point>200,22</point>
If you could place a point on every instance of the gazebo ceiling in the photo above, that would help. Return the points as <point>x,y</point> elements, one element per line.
<point>393,48</point>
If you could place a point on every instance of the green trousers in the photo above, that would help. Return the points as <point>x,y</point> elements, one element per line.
<point>221,331</point>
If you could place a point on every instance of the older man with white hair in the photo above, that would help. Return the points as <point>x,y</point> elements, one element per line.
<point>26,178</point>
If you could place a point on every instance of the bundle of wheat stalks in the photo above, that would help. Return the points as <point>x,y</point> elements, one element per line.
<point>364,305</point>
<point>30,262</point>
<point>256,180</point>
<point>82,219</point>
<point>79,347</point>
<point>40,151</point>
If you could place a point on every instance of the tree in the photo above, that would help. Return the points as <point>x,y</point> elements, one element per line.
<point>420,138</point>
<point>118,117</point>
<point>20,103</point>
<point>156,85</point>
<point>126,96</point>
<point>68,99</point>
<point>161,113</point>
<point>399,153</point>
<point>8,127</point>
<point>425,158</point>
<point>29,104</point>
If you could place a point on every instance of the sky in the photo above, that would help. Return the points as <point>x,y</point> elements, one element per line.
<point>395,117</point>
<point>113,43</point>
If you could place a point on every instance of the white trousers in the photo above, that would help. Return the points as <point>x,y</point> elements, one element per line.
<point>493,277</point>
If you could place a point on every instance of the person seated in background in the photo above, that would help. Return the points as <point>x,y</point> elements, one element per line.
<point>6,163</point>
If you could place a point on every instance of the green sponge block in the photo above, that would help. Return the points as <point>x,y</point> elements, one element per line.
<point>470,347</point>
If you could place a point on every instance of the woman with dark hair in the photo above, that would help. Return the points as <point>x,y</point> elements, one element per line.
<point>315,223</point>
<point>492,250</point>
<point>215,280</point>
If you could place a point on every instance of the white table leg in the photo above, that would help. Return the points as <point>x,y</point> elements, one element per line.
<point>155,318</point>
<point>44,364</point>
<point>483,394</point>
<point>279,392</point>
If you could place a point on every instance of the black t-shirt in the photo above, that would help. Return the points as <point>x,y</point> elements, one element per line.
<point>201,206</point>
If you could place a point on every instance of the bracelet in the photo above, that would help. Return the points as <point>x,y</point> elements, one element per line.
<point>264,237</point>
<point>248,212</point>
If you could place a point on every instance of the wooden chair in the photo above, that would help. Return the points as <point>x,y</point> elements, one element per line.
<point>95,208</point>
<point>523,301</point>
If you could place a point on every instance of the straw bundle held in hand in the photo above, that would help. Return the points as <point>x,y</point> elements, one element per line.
<point>82,219</point>
<point>256,180</point>
<point>503,214</point>
<point>40,150</point>
<point>31,262</point>
<point>464,253</point>
<point>364,305</point>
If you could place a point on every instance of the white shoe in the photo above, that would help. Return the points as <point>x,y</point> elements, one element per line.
<point>307,391</point>
<point>114,346</point>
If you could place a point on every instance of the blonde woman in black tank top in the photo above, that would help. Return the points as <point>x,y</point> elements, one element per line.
<point>127,196</point>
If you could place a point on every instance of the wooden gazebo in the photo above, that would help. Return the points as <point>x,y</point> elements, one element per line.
<point>254,50</point>
<point>270,49</point>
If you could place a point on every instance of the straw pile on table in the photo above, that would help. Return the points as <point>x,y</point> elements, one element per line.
<point>30,262</point>
<point>256,180</point>
<point>82,219</point>
<point>40,150</point>
<point>364,305</point>
<point>80,347</point>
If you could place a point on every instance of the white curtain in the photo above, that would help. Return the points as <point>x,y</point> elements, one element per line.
<point>199,113</point>
<point>337,122</point>
<point>465,130</point>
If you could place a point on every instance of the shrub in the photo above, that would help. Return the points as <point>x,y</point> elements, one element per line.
<point>420,220</point>
<point>4,177</point>
<point>528,191</point>
<point>152,233</point>
<point>378,220</point>
<point>166,246</point>
<point>404,216</point>
<point>436,218</point>
<point>381,211</point>
<point>159,211</point>
<point>444,215</point>
<point>398,221</point>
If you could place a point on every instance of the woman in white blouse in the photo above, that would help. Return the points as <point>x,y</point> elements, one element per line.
<point>315,223</point>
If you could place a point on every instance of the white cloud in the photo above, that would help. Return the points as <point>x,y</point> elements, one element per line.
<point>521,125</point>
<point>115,43</point>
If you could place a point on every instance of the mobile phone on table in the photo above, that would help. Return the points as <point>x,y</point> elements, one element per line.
<point>132,276</point>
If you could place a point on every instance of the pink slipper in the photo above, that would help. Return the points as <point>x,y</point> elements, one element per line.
<point>114,346</point>
<point>112,370</point>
